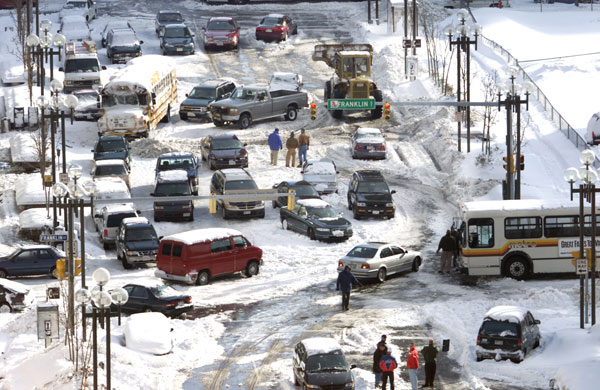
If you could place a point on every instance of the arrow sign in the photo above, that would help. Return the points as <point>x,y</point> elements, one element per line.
<point>53,237</point>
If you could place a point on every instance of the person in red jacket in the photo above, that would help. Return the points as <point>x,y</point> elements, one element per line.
<point>388,364</point>
<point>412,363</point>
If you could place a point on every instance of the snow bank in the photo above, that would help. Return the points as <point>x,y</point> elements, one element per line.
<point>23,149</point>
<point>29,191</point>
<point>149,332</point>
<point>35,219</point>
<point>201,235</point>
<point>16,287</point>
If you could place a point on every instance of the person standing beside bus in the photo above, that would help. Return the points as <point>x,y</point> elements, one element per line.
<point>448,246</point>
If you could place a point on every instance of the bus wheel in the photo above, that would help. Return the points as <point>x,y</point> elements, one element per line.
<point>517,268</point>
<point>167,117</point>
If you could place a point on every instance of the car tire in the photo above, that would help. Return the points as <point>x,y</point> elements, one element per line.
<point>147,310</point>
<point>356,215</point>
<point>479,358</point>
<point>3,274</point>
<point>211,165</point>
<point>105,245</point>
<point>167,117</point>
<point>203,278</point>
<point>54,272</point>
<point>381,275</point>
<point>274,204</point>
<point>244,122</point>
<point>252,269</point>
<point>156,219</point>
<point>416,264</point>
<point>291,114</point>
<point>337,94</point>
<point>5,308</point>
<point>183,117</point>
<point>126,265</point>
<point>218,123</point>
<point>517,268</point>
<point>516,360</point>
<point>378,111</point>
<point>311,234</point>
<point>224,213</point>
<point>537,343</point>
<point>327,91</point>
<point>284,224</point>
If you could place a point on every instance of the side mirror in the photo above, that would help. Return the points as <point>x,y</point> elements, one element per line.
<point>187,95</point>
<point>393,192</point>
<point>337,172</point>
<point>245,144</point>
<point>58,31</point>
<point>92,150</point>
<point>352,367</point>
<point>141,42</point>
<point>160,237</point>
<point>193,35</point>
<point>97,215</point>
<point>537,322</point>
<point>203,28</point>
<point>61,69</point>
<point>302,171</point>
<point>103,67</point>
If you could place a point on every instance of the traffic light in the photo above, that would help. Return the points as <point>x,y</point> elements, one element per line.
<point>387,115</point>
<point>313,111</point>
<point>510,165</point>
<point>522,163</point>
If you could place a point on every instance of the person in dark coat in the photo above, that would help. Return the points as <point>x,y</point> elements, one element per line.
<point>456,235</point>
<point>345,281</point>
<point>429,353</point>
<point>448,246</point>
<point>379,353</point>
<point>388,364</point>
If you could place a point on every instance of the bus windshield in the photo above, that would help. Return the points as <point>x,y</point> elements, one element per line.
<point>116,100</point>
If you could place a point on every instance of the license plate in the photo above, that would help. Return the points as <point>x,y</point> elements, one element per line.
<point>186,214</point>
<point>268,30</point>
<point>375,212</point>
<point>231,162</point>
<point>219,43</point>
<point>498,342</point>
<point>246,212</point>
<point>370,148</point>
<point>338,233</point>
<point>191,114</point>
<point>179,49</point>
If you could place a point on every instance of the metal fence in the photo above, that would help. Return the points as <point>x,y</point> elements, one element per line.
<point>536,92</point>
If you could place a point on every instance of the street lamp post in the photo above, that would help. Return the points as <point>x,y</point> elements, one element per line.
<point>41,48</point>
<point>463,43</point>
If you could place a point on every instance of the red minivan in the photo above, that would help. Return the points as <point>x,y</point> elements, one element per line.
<point>196,256</point>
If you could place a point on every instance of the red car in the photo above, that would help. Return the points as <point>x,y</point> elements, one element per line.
<point>276,27</point>
<point>221,32</point>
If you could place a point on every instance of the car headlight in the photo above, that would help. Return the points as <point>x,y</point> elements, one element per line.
<point>168,45</point>
<point>159,207</point>
<point>312,386</point>
<point>349,386</point>
<point>191,44</point>
<point>233,110</point>
<point>130,253</point>
<point>68,82</point>
<point>389,205</point>
<point>361,204</point>
<point>322,229</point>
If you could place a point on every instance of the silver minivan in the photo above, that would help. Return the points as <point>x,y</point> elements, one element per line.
<point>321,174</point>
<point>109,220</point>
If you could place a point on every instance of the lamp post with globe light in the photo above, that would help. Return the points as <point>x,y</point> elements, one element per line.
<point>587,178</point>
<point>42,48</point>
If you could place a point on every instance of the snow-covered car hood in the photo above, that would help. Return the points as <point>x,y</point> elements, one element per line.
<point>320,177</point>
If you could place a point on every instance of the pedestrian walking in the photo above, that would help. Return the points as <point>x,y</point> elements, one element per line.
<point>456,235</point>
<point>448,246</point>
<point>345,281</point>
<point>412,363</point>
<point>387,365</point>
<point>377,356</point>
<point>429,353</point>
<point>275,145</point>
<point>291,144</point>
<point>304,141</point>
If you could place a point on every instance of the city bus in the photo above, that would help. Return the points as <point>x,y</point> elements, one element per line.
<point>520,238</point>
<point>139,97</point>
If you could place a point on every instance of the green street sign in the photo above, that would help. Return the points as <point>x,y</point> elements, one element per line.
<point>351,104</point>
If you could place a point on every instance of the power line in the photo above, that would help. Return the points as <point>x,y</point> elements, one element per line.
<point>557,58</point>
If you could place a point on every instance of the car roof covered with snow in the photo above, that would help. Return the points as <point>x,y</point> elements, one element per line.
<point>516,207</point>
<point>175,155</point>
<point>314,203</point>
<point>236,174</point>
<point>135,221</point>
<point>140,72</point>
<point>100,163</point>
<point>118,208</point>
<point>320,345</point>
<point>368,130</point>
<point>507,313</point>
<point>174,175</point>
<point>192,237</point>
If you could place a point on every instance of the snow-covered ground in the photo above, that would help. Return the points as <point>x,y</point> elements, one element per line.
<point>249,345</point>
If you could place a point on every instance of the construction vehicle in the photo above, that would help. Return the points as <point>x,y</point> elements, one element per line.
<point>352,79</point>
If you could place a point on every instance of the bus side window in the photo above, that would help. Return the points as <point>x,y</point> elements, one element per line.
<point>481,233</point>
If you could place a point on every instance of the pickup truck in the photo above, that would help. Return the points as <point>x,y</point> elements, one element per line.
<point>252,103</point>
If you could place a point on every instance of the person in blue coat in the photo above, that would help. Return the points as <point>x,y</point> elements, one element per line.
<point>344,282</point>
<point>275,145</point>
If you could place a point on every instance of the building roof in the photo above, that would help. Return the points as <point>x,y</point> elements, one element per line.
<point>202,235</point>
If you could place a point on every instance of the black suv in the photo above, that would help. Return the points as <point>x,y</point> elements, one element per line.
<point>507,332</point>
<point>196,102</point>
<point>122,45</point>
<point>173,183</point>
<point>369,195</point>
<point>234,181</point>
<point>112,147</point>
<point>137,242</point>
<point>319,363</point>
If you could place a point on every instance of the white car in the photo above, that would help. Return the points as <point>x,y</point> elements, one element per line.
<point>12,73</point>
<point>321,174</point>
<point>75,28</point>
<point>377,260</point>
<point>111,168</point>
<point>114,25</point>
<point>149,333</point>
<point>85,8</point>
<point>110,188</point>
<point>283,81</point>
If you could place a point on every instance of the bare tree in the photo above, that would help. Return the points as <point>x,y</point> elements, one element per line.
<point>21,50</point>
<point>489,88</point>
<point>41,144</point>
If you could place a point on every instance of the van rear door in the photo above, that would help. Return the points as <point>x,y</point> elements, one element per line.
<point>222,257</point>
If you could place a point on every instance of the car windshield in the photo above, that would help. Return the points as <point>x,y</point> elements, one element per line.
<point>368,134</point>
<point>177,32</point>
<point>172,189</point>
<point>141,234</point>
<point>115,100</point>
<point>75,28</point>
<point>164,291</point>
<point>244,94</point>
<point>108,170</point>
<point>221,25</point>
<point>241,185</point>
<point>305,191</point>
<point>370,187</point>
<point>170,17</point>
<point>226,143</point>
<point>110,146</point>
<point>167,164</point>
<point>127,38</point>
<point>82,65</point>
<point>115,219</point>
<point>362,252</point>
<point>500,328</point>
<point>322,212</point>
<point>272,21</point>
<point>322,362</point>
<point>203,93</point>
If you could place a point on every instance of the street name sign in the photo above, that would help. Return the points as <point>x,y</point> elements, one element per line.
<point>351,104</point>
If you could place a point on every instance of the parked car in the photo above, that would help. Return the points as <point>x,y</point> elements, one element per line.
<point>473,3</point>
<point>166,17</point>
<point>108,222</point>
<point>319,363</point>
<point>507,332</point>
<point>304,190</point>
<point>370,196</point>
<point>110,188</point>
<point>253,103</point>
<point>285,81</point>
<point>592,134</point>
<point>233,181</point>
<point>113,25</point>
<point>88,106</point>
<point>14,296</point>
<point>11,72</point>
<point>183,161</point>
<point>75,28</point>
<point>122,45</point>
<point>276,27</point>
<point>112,147</point>
<point>322,174</point>
<point>173,183</point>
<point>136,242</point>
<point>177,39</point>
<point>377,260</point>
<point>221,32</point>
<point>196,103</point>
<point>30,261</point>
<point>85,8</point>
<point>196,256</point>
<point>368,143</point>
<point>111,168</point>
<point>157,297</point>
<point>149,333</point>
<point>223,151</point>
<point>316,219</point>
